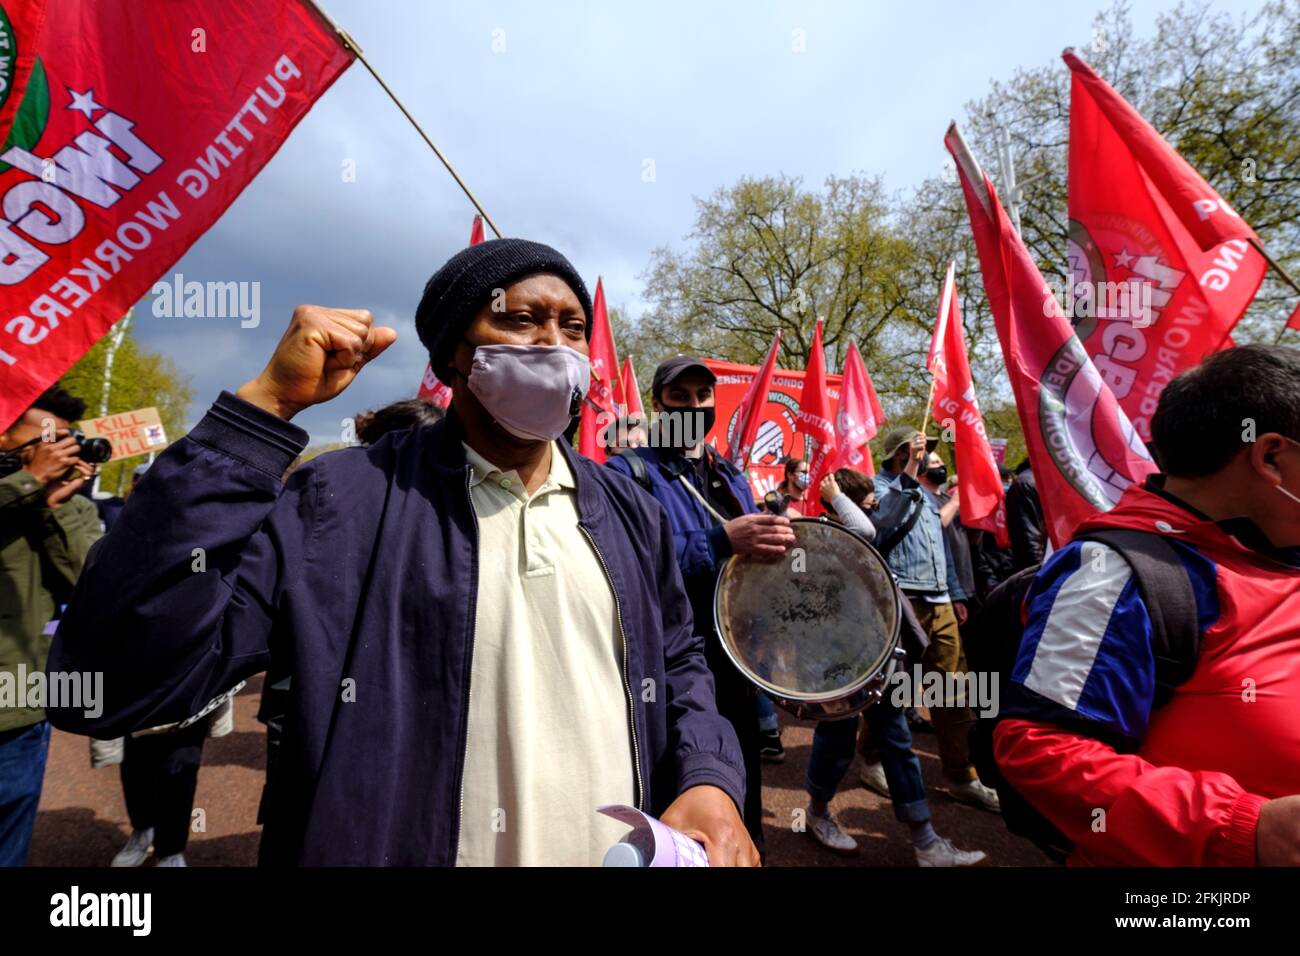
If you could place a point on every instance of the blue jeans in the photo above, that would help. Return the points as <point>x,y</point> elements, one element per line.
<point>767,721</point>
<point>22,772</point>
<point>832,752</point>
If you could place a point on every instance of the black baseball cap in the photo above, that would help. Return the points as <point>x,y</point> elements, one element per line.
<point>674,368</point>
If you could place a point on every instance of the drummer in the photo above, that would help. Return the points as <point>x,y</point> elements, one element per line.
<point>713,516</point>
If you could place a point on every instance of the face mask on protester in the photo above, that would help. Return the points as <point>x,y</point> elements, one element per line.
<point>686,422</point>
<point>533,391</point>
<point>802,481</point>
<point>937,475</point>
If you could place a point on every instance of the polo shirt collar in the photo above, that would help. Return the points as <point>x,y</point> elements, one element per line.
<point>481,469</point>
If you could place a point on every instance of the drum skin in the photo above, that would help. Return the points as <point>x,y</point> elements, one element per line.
<point>816,630</point>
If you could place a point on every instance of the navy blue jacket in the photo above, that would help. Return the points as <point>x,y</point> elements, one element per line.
<point>701,543</point>
<point>359,578</point>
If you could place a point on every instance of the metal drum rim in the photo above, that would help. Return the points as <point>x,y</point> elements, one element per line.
<point>794,696</point>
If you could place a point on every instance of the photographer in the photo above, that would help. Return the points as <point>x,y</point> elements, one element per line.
<point>46,528</point>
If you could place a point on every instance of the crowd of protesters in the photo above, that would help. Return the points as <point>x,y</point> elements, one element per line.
<point>473,636</point>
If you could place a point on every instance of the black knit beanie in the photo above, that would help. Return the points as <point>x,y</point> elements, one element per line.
<point>459,289</point>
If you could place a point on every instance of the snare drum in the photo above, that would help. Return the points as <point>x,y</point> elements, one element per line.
<point>817,630</point>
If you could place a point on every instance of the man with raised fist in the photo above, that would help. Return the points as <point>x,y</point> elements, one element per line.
<point>487,634</point>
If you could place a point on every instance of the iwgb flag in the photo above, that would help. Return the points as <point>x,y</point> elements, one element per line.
<point>432,388</point>
<point>859,416</point>
<point>1148,300</point>
<point>139,122</point>
<point>955,407</point>
<point>752,406</point>
<point>1082,447</point>
<point>817,421</point>
<point>605,395</point>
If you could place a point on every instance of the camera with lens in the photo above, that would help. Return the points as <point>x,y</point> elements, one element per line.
<point>94,451</point>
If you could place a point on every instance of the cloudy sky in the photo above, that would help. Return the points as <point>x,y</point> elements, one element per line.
<point>552,112</point>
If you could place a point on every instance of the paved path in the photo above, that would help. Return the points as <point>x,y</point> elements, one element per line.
<point>82,819</point>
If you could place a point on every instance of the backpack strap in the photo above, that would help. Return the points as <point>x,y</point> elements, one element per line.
<point>1170,601</point>
<point>640,472</point>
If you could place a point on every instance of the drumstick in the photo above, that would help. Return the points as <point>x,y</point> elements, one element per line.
<point>708,507</point>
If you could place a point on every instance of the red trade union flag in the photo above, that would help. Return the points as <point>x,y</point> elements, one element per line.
<point>958,412</point>
<point>139,136</point>
<point>1294,321</point>
<point>752,406</point>
<point>631,391</point>
<point>605,384</point>
<point>1147,301</point>
<point>1200,209</point>
<point>1082,447</point>
<point>432,390</point>
<point>20,30</point>
<point>817,422</point>
<point>859,416</point>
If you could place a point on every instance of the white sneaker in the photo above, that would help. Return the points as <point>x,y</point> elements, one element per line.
<point>873,778</point>
<point>828,833</point>
<point>942,853</point>
<point>137,849</point>
<point>176,859</point>
<point>976,794</point>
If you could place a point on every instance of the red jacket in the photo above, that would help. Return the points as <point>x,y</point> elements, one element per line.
<point>1201,767</point>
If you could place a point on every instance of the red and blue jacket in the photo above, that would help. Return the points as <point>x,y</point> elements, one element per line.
<point>1178,785</point>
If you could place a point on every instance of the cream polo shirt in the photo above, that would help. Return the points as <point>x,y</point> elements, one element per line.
<point>549,738</point>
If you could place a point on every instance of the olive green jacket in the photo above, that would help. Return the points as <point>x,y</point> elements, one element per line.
<point>42,550</point>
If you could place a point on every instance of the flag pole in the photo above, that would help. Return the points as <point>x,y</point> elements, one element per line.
<point>1277,267</point>
<point>353,47</point>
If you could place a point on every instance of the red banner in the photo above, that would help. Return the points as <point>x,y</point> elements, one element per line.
<point>155,116</point>
<point>631,391</point>
<point>1147,301</point>
<point>1201,211</point>
<point>957,412</point>
<point>752,406</point>
<point>20,29</point>
<point>1082,447</point>
<point>778,433</point>
<point>817,422</point>
<point>604,398</point>
<point>859,416</point>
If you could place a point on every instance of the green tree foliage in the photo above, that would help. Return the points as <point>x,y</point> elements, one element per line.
<point>772,253</point>
<point>140,378</point>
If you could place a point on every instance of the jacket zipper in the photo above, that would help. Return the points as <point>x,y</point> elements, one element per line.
<point>627,686</point>
<point>469,674</point>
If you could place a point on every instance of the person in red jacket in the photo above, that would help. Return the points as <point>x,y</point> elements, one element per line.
<point>1213,776</point>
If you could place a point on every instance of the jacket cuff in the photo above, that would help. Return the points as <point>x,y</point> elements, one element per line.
<point>1238,846</point>
<point>704,769</point>
<point>253,435</point>
<point>21,488</point>
<point>719,543</point>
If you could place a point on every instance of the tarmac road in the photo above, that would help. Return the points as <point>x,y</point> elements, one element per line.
<point>82,819</point>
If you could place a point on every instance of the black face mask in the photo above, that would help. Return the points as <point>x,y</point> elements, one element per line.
<point>937,475</point>
<point>675,425</point>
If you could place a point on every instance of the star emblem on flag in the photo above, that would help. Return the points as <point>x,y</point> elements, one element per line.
<point>83,102</point>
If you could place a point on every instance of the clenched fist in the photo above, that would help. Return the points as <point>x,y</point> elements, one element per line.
<point>318,357</point>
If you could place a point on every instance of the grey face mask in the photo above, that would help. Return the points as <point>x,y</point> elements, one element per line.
<point>533,391</point>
